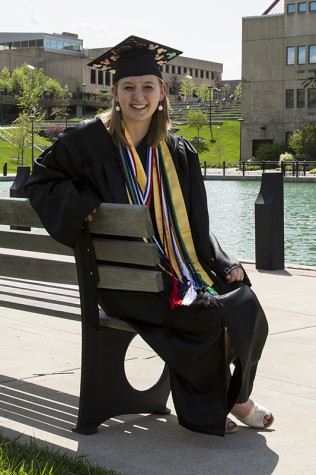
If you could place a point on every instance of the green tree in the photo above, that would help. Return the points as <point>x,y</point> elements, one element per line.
<point>21,135</point>
<point>270,152</point>
<point>203,90</point>
<point>220,150</point>
<point>303,142</point>
<point>5,79</point>
<point>187,87</point>
<point>197,120</point>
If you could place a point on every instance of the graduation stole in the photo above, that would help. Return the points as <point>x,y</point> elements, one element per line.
<point>177,247</point>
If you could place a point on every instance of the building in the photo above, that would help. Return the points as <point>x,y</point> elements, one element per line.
<point>64,58</point>
<point>278,54</point>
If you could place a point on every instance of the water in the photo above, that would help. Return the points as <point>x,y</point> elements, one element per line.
<point>232,218</point>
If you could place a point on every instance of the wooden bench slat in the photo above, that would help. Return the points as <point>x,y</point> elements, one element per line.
<point>122,220</point>
<point>18,212</point>
<point>36,268</point>
<point>26,241</point>
<point>128,252</point>
<point>112,219</point>
<point>126,278</point>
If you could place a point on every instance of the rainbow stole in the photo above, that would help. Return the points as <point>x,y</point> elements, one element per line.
<point>176,247</point>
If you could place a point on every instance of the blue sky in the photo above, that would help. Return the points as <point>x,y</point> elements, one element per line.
<point>209,30</point>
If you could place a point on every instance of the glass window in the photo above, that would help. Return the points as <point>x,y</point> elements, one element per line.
<point>196,73</point>
<point>202,74</point>
<point>100,77</point>
<point>40,43</point>
<point>290,98</point>
<point>312,97</point>
<point>46,43</point>
<point>312,54</point>
<point>300,98</point>
<point>301,55</point>
<point>53,44</point>
<point>24,44</point>
<point>291,8</point>
<point>302,7</point>
<point>107,78</point>
<point>312,6</point>
<point>167,68</point>
<point>92,76</point>
<point>173,69</point>
<point>179,69</point>
<point>2,46</point>
<point>290,55</point>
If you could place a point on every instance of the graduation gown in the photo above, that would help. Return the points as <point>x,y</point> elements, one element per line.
<point>80,171</point>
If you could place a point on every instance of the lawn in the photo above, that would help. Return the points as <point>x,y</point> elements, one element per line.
<point>33,459</point>
<point>226,146</point>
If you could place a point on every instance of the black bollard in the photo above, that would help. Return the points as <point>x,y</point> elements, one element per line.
<point>5,169</point>
<point>269,223</point>
<point>17,189</point>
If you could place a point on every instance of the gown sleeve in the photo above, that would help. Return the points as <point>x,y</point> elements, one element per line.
<point>59,192</point>
<point>207,245</point>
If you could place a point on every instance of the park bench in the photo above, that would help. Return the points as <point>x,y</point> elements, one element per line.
<point>110,253</point>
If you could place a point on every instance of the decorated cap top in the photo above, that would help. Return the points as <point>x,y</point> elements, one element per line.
<point>134,57</point>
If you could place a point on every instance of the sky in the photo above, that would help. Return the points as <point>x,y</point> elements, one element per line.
<point>205,29</point>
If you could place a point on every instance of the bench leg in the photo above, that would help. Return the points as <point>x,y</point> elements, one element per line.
<point>105,390</point>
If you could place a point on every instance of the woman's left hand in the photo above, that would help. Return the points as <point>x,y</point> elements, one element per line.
<point>236,274</point>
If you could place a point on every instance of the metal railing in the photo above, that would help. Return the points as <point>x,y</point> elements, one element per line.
<point>294,168</point>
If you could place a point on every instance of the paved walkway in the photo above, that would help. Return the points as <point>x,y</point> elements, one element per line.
<point>45,406</point>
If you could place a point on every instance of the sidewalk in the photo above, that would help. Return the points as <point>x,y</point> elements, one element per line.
<point>45,407</point>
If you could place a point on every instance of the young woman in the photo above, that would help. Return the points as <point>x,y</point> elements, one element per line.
<point>207,317</point>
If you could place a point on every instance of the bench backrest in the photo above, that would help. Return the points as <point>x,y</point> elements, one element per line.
<point>34,255</point>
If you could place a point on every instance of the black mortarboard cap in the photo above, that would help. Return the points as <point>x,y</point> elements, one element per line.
<point>134,57</point>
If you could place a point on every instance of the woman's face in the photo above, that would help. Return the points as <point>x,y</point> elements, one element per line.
<point>139,97</point>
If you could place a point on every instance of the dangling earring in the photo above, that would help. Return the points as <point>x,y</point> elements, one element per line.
<point>160,107</point>
<point>117,108</point>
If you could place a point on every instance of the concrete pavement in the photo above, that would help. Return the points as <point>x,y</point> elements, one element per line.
<point>45,407</point>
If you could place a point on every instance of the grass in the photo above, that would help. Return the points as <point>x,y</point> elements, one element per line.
<point>226,146</point>
<point>33,459</point>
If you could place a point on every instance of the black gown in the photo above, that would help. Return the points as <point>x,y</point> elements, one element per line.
<point>73,177</point>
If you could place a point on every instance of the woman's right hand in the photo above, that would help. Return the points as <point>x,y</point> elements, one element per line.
<point>90,216</point>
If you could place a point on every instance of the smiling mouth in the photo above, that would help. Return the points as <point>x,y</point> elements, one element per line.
<point>139,106</point>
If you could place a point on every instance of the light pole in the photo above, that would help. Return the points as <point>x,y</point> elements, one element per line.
<point>210,89</point>
<point>84,99</point>
<point>66,115</point>
<point>32,117</point>
<point>240,135</point>
<point>1,92</point>
<point>31,68</point>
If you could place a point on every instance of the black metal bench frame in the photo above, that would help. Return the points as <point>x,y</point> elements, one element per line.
<point>105,391</point>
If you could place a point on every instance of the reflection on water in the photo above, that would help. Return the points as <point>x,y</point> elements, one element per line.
<point>232,218</point>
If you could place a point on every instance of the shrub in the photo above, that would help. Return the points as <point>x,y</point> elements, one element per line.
<point>53,132</point>
<point>270,152</point>
<point>286,157</point>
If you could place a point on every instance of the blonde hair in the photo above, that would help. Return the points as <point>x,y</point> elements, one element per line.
<point>158,129</point>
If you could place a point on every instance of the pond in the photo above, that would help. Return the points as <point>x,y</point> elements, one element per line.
<point>232,218</point>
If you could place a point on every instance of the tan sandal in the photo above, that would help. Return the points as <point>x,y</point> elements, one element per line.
<point>230,430</point>
<point>256,416</point>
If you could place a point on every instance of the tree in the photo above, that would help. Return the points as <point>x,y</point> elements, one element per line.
<point>220,150</point>
<point>197,120</point>
<point>303,142</point>
<point>219,84</point>
<point>21,135</point>
<point>187,87</point>
<point>174,87</point>
<point>203,91</point>
<point>5,79</point>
